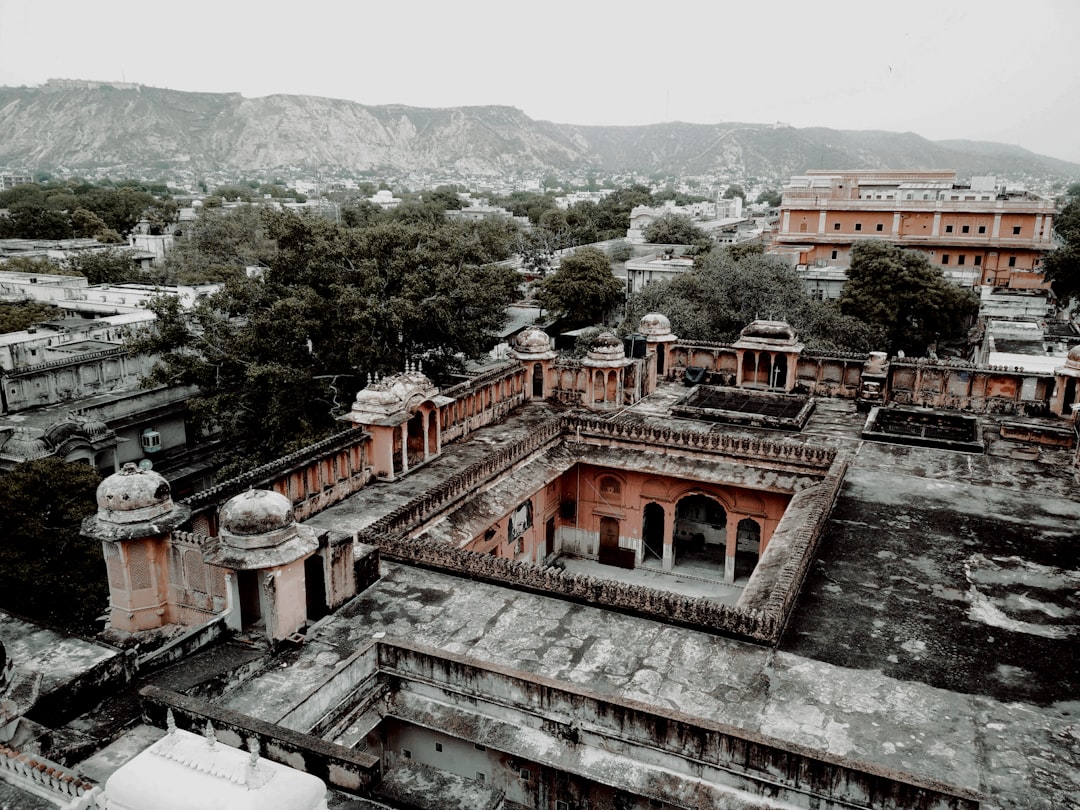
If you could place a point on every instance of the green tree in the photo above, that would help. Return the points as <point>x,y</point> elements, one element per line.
<point>86,224</point>
<point>110,266</point>
<point>1062,266</point>
<point>583,289</point>
<point>621,251</point>
<point>733,191</point>
<point>729,288</point>
<point>908,298</point>
<point>48,571</point>
<point>675,229</point>
<point>15,317</point>
<point>770,197</point>
<point>277,359</point>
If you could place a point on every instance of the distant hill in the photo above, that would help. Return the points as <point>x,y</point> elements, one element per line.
<point>76,125</point>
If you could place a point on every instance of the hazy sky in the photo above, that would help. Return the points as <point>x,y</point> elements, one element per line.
<point>1001,70</point>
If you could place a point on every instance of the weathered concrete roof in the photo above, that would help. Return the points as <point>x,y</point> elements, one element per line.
<point>936,633</point>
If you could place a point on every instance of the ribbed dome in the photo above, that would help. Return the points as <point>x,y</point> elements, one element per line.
<point>256,512</point>
<point>655,325</point>
<point>26,447</point>
<point>1073,358</point>
<point>133,495</point>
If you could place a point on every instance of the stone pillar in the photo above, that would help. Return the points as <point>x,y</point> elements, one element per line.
<point>732,542</point>
<point>424,428</point>
<point>232,602</point>
<point>404,448</point>
<point>668,562</point>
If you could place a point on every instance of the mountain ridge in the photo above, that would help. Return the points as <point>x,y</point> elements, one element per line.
<point>77,125</point>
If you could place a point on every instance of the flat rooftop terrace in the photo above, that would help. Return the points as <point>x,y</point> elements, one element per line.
<point>936,632</point>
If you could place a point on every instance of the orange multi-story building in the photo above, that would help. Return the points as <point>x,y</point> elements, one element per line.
<point>978,233</point>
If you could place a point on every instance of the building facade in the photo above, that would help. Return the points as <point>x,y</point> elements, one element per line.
<point>979,234</point>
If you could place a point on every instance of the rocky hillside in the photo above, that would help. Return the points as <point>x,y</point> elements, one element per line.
<point>74,125</point>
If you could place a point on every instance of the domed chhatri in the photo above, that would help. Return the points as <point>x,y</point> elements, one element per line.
<point>606,348</point>
<point>532,340</point>
<point>400,393</point>
<point>533,343</point>
<point>771,331</point>
<point>1072,360</point>
<point>257,518</point>
<point>655,325</point>
<point>133,495</point>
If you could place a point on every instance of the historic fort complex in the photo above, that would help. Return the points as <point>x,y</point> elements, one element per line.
<point>581,582</point>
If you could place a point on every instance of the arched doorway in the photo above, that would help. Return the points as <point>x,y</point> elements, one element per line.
<point>660,355</point>
<point>652,532</point>
<point>747,547</point>
<point>538,381</point>
<point>416,440</point>
<point>778,379</point>
<point>700,534</point>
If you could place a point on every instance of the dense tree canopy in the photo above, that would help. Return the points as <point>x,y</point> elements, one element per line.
<point>727,289</point>
<point>15,317</point>
<point>47,571</point>
<point>900,292</point>
<point>276,358</point>
<point>1062,266</point>
<point>78,209</point>
<point>583,289</point>
<point>676,229</point>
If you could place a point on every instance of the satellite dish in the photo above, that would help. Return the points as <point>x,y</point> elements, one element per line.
<point>146,464</point>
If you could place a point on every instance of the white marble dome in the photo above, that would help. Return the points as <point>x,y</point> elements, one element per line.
<point>133,495</point>
<point>655,325</point>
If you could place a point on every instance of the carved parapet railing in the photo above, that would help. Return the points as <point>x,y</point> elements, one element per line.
<point>779,576</point>
<point>75,360</point>
<point>692,611</point>
<point>226,489</point>
<point>462,483</point>
<point>741,447</point>
<point>502,372</point>
<point>190,538</point>
<point>702,344</point>
<point>960,365</point>
<point>815,354</point>
<point>41,776</point>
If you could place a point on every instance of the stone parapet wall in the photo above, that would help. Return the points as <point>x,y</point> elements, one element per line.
<point>462,484</point>
<point>315,477</point>
<point>779,574</point>
<point>657,737</point>
<point>336,765</point>
<point>698,612</point>
<point>757,451</point>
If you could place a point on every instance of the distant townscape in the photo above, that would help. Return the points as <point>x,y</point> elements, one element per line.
<point>362,458</point>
